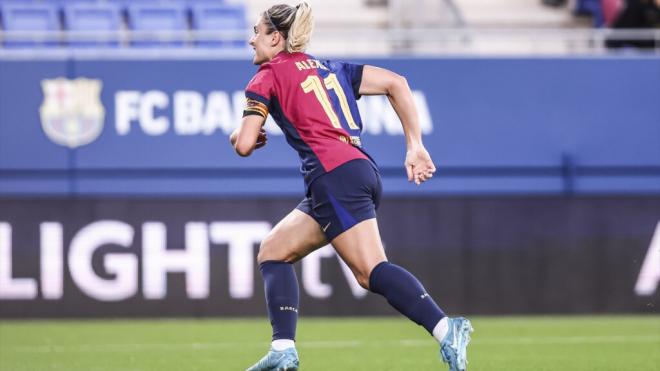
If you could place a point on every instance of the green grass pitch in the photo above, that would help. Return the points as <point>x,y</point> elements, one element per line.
<point>567,343</point>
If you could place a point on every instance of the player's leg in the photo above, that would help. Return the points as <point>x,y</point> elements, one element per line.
<point>345,202</point>
<point>290,240</point>
<point>361,248</point>
<point>295,236</point>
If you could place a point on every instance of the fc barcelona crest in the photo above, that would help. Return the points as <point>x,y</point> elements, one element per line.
<point>72,114</point>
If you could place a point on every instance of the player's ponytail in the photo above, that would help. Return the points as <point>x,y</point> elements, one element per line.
<point>301,29</point>
<point>295,23</point>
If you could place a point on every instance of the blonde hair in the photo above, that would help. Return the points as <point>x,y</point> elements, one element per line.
<point>295,23</point>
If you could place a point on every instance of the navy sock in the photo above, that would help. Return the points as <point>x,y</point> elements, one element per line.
<point>281,286</point>
<point>406,294</point>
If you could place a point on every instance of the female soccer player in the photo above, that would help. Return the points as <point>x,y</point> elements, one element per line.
<point>314,103</point>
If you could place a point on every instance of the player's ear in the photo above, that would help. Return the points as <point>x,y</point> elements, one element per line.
<point>275,39</point>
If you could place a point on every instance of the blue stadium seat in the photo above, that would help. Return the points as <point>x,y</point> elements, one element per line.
<point>30,16</point>
<point>61,4</point>
<point>93,17</point>
<point>64,3</point>
<point>21,2</point>
<point>125,4</point>
<point>18,2</point>
<point>206,2</point>
<point>157,17</point>
<point>220,18</point>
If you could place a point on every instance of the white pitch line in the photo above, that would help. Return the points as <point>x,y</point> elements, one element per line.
<point>576,340</point>
<point>550,340</point>
<point>329,344</point>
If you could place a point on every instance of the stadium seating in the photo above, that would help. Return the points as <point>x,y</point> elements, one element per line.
<point>93,17</point>
<point>157,23</point>
<point>125,4</point>
<point>155,17</point>
<point>220,18</point>
<point>63,3</point>
<point>30,17</point>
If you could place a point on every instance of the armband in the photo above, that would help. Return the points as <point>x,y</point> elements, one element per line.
<point>254,107</point>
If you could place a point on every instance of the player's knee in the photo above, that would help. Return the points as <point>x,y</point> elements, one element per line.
<point>263,254</point>
<point>265,251</point>
<point>363,279</point>
<point>270,250</point>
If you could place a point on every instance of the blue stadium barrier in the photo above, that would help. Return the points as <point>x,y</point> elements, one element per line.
<point>582,126</point>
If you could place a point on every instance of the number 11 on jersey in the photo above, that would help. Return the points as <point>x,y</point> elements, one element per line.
<point>313,83</point>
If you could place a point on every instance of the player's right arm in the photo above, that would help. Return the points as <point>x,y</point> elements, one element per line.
<point>379,81</point>
<point>249,136</point>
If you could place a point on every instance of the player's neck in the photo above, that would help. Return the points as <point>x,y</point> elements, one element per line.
<point>275,52</point>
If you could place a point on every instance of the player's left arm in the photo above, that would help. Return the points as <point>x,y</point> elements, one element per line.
<point>249,136</point>
<point>379,81</point>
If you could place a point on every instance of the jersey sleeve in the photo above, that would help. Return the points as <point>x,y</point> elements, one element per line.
<point>354,73</point>
<point>259,92</point>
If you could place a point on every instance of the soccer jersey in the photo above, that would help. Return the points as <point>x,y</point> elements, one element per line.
<point>314,103</point>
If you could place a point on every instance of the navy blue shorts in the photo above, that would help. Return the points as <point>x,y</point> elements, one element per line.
<point>342,198</point>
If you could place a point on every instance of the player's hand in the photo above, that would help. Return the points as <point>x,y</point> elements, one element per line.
<point>262,138</point>
<point>419,165</point>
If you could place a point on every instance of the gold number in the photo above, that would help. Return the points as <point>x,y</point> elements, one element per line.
<point>331,82</point>
<point>313,83</point>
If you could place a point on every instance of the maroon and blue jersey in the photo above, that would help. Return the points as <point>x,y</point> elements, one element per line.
<point>314,103</point>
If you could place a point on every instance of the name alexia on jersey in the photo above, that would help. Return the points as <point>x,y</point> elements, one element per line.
<point>310,64</point>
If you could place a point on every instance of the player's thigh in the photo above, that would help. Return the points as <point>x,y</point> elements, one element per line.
<point>361,248</point>
<point>292,238</point>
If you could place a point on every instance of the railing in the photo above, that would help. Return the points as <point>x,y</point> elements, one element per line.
<point>367,42</point>
<point>566,179</point>
<point>125,37</point>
